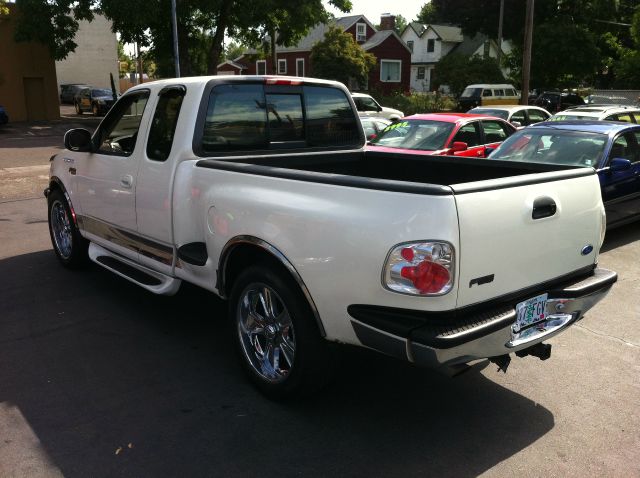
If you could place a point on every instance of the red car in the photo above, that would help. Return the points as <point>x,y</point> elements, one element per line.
<point>458,134</point>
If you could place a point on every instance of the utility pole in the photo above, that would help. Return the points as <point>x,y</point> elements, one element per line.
<point>500,20</point>
<point>526,56</point>
<point>174,27</point>
<point>140,69</point>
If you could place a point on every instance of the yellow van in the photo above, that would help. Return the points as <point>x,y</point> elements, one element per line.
<point>486,95</point>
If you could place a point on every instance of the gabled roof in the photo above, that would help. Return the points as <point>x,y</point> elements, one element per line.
<point>233,64</point>
<point>417,27</point>
<point>316,34</point>
<point>448,33</point>
<point>469,46</point>
<point>381,36</point>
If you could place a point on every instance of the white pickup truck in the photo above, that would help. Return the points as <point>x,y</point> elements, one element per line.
<point>259,189</point>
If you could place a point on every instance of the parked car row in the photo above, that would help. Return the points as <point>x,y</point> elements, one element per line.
<point>603,137</point>
<point>87,98</point>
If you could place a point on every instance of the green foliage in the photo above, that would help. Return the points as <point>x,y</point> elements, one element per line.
<point>234,50</point>
<point>457,71</point>
<point>52,22</point>
<point>417,103</point>
<point>429,14</point>
<point>338,57</point>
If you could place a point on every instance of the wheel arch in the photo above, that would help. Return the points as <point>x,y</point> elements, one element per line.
<point>55,183</point>
<point>242,251</point>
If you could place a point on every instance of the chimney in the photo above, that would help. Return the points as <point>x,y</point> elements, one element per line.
<point>387,22</point>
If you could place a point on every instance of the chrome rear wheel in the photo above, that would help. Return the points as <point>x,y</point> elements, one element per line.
<point>61,229</point>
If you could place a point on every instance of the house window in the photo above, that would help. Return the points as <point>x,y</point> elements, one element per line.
<point>431,45</point>
<point>299,66</point>
<point>261,67</point>
<point>420,75</point>
<point>361,31</point>
<point>282,67</point>
<point>390,70</point>
<point>410,45</point>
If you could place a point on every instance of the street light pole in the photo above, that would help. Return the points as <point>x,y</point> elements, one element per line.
<point>526,56</point>
<point>500,31</point>
<point>174,25</point>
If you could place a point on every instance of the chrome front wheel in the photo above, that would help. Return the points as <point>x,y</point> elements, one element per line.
<point>61,229</point>
<point>266,332</point>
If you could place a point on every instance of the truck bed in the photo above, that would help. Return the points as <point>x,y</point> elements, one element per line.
<point>387,169</point>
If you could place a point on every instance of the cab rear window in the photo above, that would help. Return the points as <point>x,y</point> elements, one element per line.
<point>243,117</point>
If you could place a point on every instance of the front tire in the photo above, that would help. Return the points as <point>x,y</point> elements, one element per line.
<point>276,335</point>
<point>70,247</point>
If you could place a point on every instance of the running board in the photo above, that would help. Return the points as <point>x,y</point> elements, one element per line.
<point>146,278</point>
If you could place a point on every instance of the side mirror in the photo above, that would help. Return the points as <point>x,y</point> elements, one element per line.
<point>517,124</point>
<point>458,146</point>
<point>78,139</point>
<point>619,164</point>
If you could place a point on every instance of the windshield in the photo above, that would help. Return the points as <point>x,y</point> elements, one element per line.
<point>95,93</point>
<point>415,134</point>
<point>471,93</point>
<point>489,112</point>
<point>571,148</point>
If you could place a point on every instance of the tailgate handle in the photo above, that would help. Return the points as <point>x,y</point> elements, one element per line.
<point>543,207</point>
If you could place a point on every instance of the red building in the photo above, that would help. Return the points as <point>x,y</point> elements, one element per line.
<point>393,57</point>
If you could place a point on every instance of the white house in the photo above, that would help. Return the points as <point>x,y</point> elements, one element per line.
<point>95,57</point>
<point>430,43</point>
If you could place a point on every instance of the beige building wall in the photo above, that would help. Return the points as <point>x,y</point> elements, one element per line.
<point>27,76</point>
<point>95,57</point>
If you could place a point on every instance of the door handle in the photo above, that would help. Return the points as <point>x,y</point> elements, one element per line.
<point>126,181</point>
<point>543,207</point>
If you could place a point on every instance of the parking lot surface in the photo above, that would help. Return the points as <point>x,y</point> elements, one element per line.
<point>101,378</point>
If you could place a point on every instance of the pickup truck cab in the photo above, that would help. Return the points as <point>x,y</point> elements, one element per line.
<point>259,190</point>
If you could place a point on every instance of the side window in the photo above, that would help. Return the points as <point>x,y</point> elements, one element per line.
<point>330,120</point>
<point>119,130</point>
<point>519,117</point>
<point>163,125</point>
<point>536,116</point>
<point>626,117</point>
<point>611,118</point>
<point>626,147</point>
<point>367,104</point>
<point>469,133</point>
<point>494,131</point>
<point>236,119</point>
<point>487,93</point>
<point>512,92</point>
<point>498,92</point>
<point>285,121</point>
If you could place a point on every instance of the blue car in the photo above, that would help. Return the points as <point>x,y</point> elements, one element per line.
<point>612,148</point>
<point>4,117</point>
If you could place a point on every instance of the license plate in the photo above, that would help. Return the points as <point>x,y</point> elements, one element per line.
<point>530,312</point>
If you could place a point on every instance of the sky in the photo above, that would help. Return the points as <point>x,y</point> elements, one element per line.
<point>372,9</point>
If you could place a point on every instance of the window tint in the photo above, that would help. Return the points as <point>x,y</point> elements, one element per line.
<point>519,117</point>
<point>163,125</point>
<point>494,131</point>
<point>119,130</point>
<point>236,119</point>
<point>536,116</point>
<point>469,134</point>
<point>285,117</point>
<point>330,118</point>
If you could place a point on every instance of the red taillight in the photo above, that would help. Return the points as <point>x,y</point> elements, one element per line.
<point>420,268</point>
<point>428,277</point>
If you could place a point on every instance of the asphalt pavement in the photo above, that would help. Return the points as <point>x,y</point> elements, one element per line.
<point>99,378</point>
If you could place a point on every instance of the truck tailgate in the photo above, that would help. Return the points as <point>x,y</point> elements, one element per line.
<point>511,238</point>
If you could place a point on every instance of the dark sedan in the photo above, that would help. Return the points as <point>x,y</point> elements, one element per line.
<point>69,91</point>
<point>4,117</point>
<point>97,101</point>
<point>613,149</point>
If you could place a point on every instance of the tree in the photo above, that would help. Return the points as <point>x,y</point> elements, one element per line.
<point>400,24</point>
<point>53,23</point>
<point>457,71</point>
<point>234,50</point>
<point>338,57</point>
<point>284,23</point>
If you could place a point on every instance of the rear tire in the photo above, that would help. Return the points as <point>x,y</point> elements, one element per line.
<point>70,247</point>
<point>277,338</point>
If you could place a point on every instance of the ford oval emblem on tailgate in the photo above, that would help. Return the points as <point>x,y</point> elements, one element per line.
<point>586,250</point>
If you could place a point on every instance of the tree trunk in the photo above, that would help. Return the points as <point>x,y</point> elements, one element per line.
<point>274,61</point>
<point>215,52</point>
<point>183,48</point>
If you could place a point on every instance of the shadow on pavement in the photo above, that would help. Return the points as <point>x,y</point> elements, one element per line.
<point>95,364</point>
<point>621,236</point>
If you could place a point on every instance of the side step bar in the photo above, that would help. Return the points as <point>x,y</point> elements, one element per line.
<point>146,278</point>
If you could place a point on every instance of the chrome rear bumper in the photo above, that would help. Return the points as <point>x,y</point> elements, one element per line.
<point>444,342</point>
